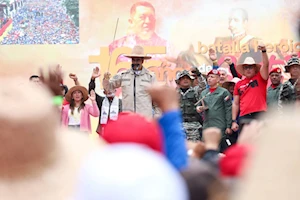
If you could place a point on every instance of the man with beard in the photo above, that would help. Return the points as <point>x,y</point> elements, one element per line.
<point>134,83</point>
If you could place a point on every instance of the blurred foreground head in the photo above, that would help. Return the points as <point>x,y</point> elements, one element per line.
<point>203,182</point>
<point>134,128</point>
<point>127,172</point>
<point>273,169</point>
<point>37,159</point>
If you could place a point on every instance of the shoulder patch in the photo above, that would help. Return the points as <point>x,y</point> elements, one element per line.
<point>227,98</point>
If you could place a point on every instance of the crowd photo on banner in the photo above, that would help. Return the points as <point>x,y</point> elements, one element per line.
<point>220,125</point>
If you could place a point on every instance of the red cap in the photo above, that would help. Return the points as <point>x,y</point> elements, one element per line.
<point>276,70</point>
<point>134,128</point>
<point>214,71</point>
<point>232,164</point>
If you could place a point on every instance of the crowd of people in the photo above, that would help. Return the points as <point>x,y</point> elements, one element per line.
<point>42,22</point>
<point>211,138</point>
<point>3,22</point>
<point>192,142</point>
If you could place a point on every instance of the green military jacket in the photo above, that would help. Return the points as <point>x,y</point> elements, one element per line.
<point>219,110</point>
<point>273,96</point>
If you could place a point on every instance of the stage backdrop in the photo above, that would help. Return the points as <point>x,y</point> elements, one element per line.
<point>177,33</point>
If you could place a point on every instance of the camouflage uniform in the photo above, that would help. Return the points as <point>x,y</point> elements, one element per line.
<point>287,92</point>
<point>188,97</point>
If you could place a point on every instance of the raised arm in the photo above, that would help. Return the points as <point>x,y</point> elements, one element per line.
<point>111,84</point>
<point>264,71</point>
<point>75,79</point>
<point>93,110</point>
<point>201,80</point>
<point>213,58</point>
<point>92,85</point>
<point>233,71</point>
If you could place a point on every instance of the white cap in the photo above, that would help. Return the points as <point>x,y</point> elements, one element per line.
<point>128,172</point>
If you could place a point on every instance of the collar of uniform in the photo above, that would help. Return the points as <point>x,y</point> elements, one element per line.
<point>184,93</point>
<point>143,71</point>
<point>216,91</point>
<point>273,88</point>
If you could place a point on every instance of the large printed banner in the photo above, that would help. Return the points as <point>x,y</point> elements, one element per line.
<point>80,35</point>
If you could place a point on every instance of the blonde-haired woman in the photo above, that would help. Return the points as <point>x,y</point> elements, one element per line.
<point>77,113</point>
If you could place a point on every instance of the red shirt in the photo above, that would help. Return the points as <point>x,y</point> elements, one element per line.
<point>253,94</point>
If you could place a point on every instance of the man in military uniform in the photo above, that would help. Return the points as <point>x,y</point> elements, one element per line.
<point>134,83</point>
<point>216,106</point>
<point>273,90</point>
<point>188,97</point>
<point>287,93</point>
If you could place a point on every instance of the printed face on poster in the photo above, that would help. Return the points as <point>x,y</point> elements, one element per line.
<point>177,34</point>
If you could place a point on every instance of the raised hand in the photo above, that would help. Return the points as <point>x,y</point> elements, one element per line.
<point>96,73</point>
<point>261,47</point>
<point>53,81</point>
<point>73,76</point>
<point>195,71</point>
<point>92,95</point>
<point>107,75</point>
<point>212,54</point>
<point>228,60</point>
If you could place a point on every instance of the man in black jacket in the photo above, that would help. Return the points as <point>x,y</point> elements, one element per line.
<point>109,105</point>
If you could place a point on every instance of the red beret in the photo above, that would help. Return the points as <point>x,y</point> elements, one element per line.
<point>214,71</point>
<point>276,70</point>
<point>134,128</point>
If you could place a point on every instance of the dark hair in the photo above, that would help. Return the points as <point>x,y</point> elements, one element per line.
<point>33,76</point>
<point>243,11</point>
<point>66,89</point>
<point>72,106</point>
<point>141,3</point>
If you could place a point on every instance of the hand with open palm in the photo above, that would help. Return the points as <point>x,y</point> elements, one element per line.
<point>92,95</point>
<point>96,73</point>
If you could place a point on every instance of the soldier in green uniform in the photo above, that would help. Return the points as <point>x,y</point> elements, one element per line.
<point>216,106</point>
<point>188,97</point>
<point>274,88</point>
<point>287,93</point>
